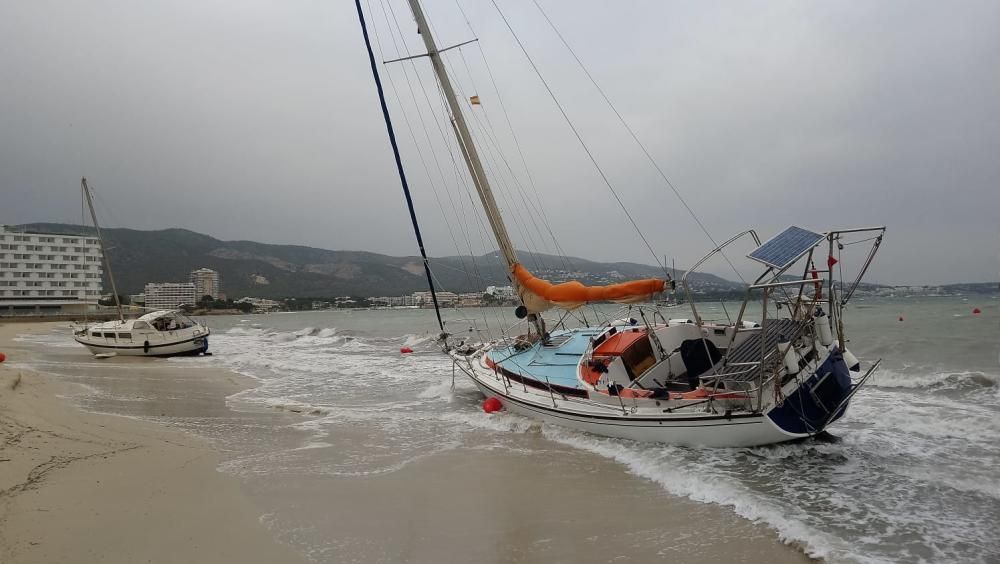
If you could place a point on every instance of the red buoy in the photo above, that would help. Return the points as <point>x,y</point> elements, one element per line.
<point>976,311</point>
<point>491,405</point>
<point>3,357</point>
<point>900,317</point>
<point>405,350</point>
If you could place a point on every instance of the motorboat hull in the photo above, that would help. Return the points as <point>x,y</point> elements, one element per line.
<point>159,333</point>
<point>184,347</point>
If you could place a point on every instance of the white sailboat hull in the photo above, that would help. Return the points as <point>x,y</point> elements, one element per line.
<point>811,400</point>
<point>686,430</point>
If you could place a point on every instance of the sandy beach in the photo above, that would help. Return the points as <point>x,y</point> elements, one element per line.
<point>85,487</point>
<point>140,481</point>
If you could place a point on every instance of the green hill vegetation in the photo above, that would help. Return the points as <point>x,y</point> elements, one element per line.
<point>248,268</point>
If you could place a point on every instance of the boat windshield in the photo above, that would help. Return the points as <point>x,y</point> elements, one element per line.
<point>173,322</point>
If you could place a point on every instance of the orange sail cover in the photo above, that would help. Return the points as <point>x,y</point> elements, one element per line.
<point>571,295</point>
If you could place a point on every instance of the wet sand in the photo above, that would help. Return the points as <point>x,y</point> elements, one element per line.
<point>85,487</point>
<point>491,505</point>
<point>90,487</point>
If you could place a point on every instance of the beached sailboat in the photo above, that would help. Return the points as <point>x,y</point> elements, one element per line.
<point>786,376</point>
<point>158,333</point>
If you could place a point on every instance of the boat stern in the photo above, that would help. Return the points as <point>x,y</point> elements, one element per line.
<point>818,401</point>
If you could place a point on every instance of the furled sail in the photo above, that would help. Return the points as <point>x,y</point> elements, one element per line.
<point>539,295</point>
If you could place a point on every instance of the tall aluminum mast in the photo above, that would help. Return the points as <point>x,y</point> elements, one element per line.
<point>104,251</point>
<point>465,141</point>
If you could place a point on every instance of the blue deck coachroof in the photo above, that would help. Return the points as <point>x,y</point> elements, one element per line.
<point>554,363</point>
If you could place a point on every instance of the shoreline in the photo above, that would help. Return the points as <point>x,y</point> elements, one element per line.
<point>141,479</point>
<point>77,486</point>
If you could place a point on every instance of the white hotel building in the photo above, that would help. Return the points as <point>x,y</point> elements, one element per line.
<point>48,273</point>
<point>169,295</point>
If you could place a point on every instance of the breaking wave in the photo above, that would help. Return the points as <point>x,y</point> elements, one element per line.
<point>963,380</point>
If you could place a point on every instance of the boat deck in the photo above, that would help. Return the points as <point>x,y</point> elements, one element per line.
<point>754,350</point>
<point>553,363</point>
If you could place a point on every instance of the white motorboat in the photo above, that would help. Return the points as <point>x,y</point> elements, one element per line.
<point>159,333</point>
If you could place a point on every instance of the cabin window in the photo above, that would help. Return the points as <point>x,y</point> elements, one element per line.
<point>95,334</point>
<point>109,335</point>
<point>125,336</point>
<point>638,358</point>
<point>140,325</point>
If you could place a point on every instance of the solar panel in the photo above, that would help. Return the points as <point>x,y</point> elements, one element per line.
<point>786,247</point>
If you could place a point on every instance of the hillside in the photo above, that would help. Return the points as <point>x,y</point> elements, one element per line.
<point>247,268</point>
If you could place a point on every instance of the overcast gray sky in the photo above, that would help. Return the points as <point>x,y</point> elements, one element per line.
<point>259,120</point>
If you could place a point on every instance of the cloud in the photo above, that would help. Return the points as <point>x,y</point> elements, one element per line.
<point>260,121</point>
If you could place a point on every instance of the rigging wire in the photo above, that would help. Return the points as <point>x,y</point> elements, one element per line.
<point>406,119</point>
<point>389,24</point>
<point>579,138</point>
<point>458,174</point>
<point>519,226</point>
<point>398,28</point>
<point>423,89</point>
<point>517,144</point>
<point>492,169</point>
<point>489,131</point>
<point>492,156</point>
<point>635,137</point>
<point>409,127</point>
<point>461,215</point>
<point>486,131</point>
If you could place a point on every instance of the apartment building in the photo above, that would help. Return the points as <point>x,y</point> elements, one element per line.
<point>48,273</point>
<point>206,283</point>
<point>169,295</point>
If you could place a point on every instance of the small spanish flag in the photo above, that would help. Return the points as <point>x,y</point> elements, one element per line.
<point>474,100</point>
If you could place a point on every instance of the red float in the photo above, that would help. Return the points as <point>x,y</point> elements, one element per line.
<point>976,311</point>
<point>3,357</point>
<point>900,317</point>
<point>405,350</point>
<point>492,405</point>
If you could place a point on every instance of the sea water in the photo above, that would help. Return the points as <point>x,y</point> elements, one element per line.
<point>914,476</point>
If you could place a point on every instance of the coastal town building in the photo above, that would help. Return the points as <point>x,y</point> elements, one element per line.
<point>501,292</point>
<point>48,273</point>
<point>206,283</point>
<point>260,305</point>
<point>470,299</point>
<point>169,295</point>
<point>395,301</point>
<point>445,299</point>
<point>424,300</point>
